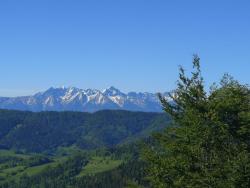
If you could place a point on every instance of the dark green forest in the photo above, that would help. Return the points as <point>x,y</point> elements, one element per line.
<point>202,140</point>
<point>46,131</point>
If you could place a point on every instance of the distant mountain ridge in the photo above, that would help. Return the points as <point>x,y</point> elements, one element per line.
<point>88,100</point>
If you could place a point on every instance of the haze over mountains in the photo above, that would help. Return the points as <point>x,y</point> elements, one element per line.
<point>89,100</point>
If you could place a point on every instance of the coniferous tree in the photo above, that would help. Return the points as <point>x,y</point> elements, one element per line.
<point>208,143</point>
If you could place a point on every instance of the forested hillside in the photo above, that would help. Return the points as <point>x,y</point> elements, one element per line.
<point>74,149</point>
<point>46,131</point>
<point>72,167</point>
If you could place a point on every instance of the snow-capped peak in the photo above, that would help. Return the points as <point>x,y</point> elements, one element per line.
<point>112,91</point>
<point>72,98</point>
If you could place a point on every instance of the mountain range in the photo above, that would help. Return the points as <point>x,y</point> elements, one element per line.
<point>88,100</point>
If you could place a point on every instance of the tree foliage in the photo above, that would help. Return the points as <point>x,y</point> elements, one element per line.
<point>208,144</point>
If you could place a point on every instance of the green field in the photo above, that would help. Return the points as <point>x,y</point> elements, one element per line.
<point>98,165</point>
<point>14,165</point>
<point>9,153</point>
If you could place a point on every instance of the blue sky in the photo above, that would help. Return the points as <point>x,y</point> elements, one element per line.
<point>134,45</point>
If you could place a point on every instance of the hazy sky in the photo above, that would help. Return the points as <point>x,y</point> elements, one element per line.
<point>134,45</point>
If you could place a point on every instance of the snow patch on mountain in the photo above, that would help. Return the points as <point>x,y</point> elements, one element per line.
<point>89,100</point>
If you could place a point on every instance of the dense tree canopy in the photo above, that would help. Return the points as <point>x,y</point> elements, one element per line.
<point>46,131</point>
<point>208,144</point>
